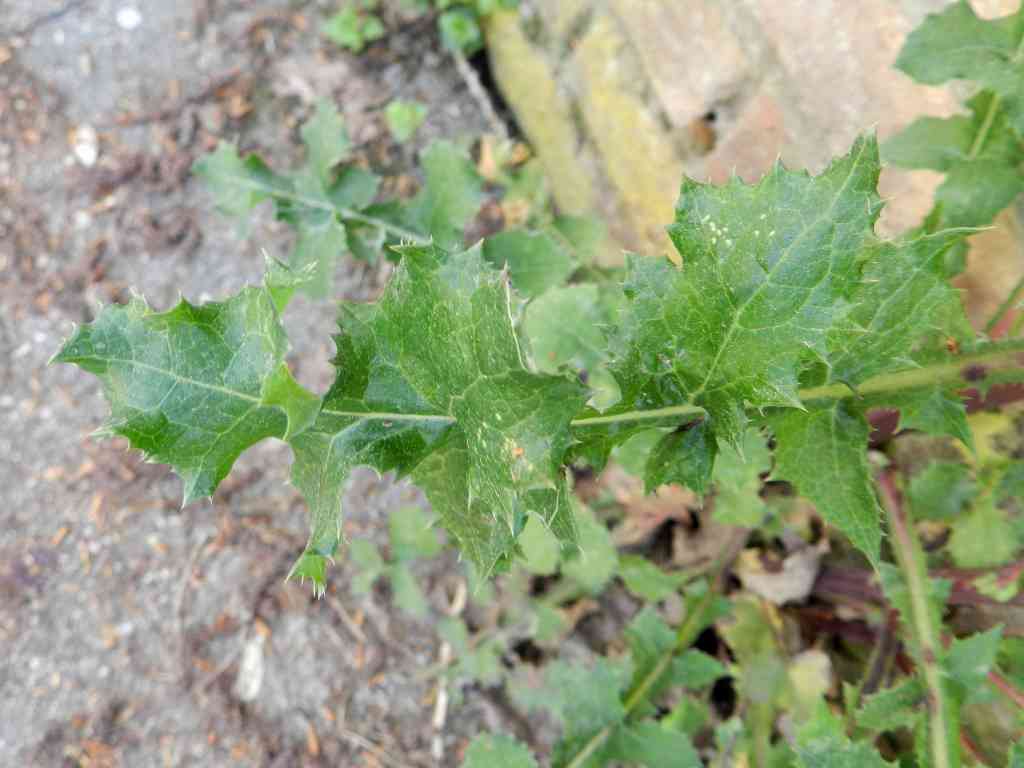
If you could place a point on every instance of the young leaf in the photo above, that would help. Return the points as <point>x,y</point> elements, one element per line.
<point>366,557</point>
<point>497,751</point>
<point>195,386</point>
<point>567,326</point>
<point>984,538</point>
<point>497,432</point>
<point>318,200</point>
<point>412,535</point>
<point>353,29</point>
<point>404,118</point>
<point>406,590</point>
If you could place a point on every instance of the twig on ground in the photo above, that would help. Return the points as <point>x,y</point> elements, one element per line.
<point>480,95</point>
<point>216,84</point>
<point>378,752</point>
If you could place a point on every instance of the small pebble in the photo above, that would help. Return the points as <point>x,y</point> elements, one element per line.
<point>128,18</point>
<point>86,145</point>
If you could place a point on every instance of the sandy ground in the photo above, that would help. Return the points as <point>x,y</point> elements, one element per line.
<point>123,620</point>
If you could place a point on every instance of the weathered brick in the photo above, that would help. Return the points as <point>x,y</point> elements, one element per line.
<point>543,110</point>
<point>752,144</point>
<point>639,155</point>
<point>690,54</point>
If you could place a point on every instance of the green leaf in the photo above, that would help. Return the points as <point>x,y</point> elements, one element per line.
<point>685,456</point>
<point>985,538</point>
<point>822,450</point>
<point>408,595</point>
<point>479,663</point>
<point>481,434</point>
<point>598,560</point>
<point>904,297</point>
<point>322,201</point>
<point>535,260</point>
<point>326,141</point>
<point>195,386</point>
<point>737,477</point>
<point>647,743</point>
<point>586,699</point>
<point>694,669</point>
<point>541,550</point>
<point>451,196</point>
<point>958,45</point>
<point>351,28</point>
<point>238,185</point>
<point>969,660</point>
<point>897,707</point>
<point>497,751</point>
<point>941,491</point>
<point>366,557</point>
<point>822,743</point>
<point>1016,757</point>
<point>933,410</point>
<point>768,270</point>
<point>412,534</point>
<point>646,580</point>
<point>404,118</point>
<point>460,31</point>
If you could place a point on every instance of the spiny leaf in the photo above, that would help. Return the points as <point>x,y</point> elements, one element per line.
<point>497,432</point>
<point>767,271</point>
<point>195,386</point>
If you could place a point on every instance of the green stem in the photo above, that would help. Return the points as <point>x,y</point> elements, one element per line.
<point>993,354</point>
<point>696,619</point>
<point>944,750</point>
<point>1006,306</point>
<point>986,125</point>
<point>1003,353</point>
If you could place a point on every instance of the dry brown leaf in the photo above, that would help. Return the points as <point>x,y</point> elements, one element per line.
<point>791,582</point>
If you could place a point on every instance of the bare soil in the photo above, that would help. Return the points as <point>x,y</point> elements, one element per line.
<point>124,620</point>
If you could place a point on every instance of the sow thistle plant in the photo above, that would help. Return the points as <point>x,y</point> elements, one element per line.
<point>485,376</point>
